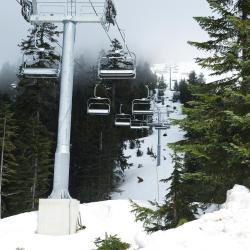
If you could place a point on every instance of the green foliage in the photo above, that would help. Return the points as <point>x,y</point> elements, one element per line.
<point>97,158</point>
<point>111,242</point>
<point>8,142</point>
<point>161,83</point>
<point>139,153</point>
<point>177,208</point>
<point>185,92</point>
<point>132,144</point>
<point>216,150</point>
<point>229,41</point>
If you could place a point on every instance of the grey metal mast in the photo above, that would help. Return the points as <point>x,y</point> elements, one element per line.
<point>68,12</point>
<point>62,155</point>
<point>159,143</point>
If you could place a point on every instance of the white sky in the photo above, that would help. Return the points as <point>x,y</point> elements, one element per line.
<point>157,30</point>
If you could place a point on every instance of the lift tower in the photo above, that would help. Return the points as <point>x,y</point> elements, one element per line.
<point>69,13</point>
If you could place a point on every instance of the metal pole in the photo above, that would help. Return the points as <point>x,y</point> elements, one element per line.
<point>62,156</point>
<point>159,143</point>
<point>1,169</point>
<point>170,77</point>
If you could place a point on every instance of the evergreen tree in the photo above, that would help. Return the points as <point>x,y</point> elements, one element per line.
<point>217,149</point>
<point>176,209</point>
<point>117,58</point>
<point>36,106</point>
<point>229,41</point>
<point>161,83</point>
<point>8,163</point>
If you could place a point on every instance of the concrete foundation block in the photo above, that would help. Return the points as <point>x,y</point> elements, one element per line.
<point>58,216</point>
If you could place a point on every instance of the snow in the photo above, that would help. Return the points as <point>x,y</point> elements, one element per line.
<point>150,173</point>
<point>228,228</point>
<point>183,69</point>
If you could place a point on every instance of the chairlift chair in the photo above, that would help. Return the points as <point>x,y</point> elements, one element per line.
<point>145,125</point>
<point>162,126</point>
<point>110,12</point>
<point>35,67</point>
<point>122,120</point>
<point>136,124</point>
<point>142,107</point>
<point>117,67</point>
<point>98,106</point>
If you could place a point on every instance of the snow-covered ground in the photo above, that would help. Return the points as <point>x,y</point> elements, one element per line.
<point>183,69</point>
<point>228,228</point>
<point>149,172</point>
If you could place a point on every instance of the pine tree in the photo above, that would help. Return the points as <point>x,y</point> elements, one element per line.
<point>36,106</point>
<point>217,149</point>
<point>229,41</point>
<point>118,58</point>
<point>176,208</point>
<point>8,163</point>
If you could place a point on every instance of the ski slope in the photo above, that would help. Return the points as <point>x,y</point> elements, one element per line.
<point>151,189</point>
<point>228,228</point>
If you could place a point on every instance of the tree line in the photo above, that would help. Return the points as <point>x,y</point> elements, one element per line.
<point>28,129</point>
<point>215,153</point>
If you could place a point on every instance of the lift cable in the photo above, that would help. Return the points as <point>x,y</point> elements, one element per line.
<point>62,48</point>
<point>103,26</point>
<point>122,36</point>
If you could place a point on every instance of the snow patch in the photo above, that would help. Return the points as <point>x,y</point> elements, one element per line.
<point>228,228</point>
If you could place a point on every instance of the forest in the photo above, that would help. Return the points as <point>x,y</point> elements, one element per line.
<point>213,156</point>
<point>28,120</point>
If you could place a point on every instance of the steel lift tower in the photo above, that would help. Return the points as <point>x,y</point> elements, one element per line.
<point>69,13</point>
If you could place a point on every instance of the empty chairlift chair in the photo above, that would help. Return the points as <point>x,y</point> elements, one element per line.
<point>142,107</point>
<point>162,125</point>
<point>122,119</point>
<point>136,124</point>
<point>98,106</point>
<point>145,125</point>
<point>117,67</point>
<point>34,65</point>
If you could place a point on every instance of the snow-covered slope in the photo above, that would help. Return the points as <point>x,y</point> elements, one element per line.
<point>228,228</point>
<point>148,189</point>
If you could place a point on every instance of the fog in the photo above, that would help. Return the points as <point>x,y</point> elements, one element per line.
<point>157,30</point>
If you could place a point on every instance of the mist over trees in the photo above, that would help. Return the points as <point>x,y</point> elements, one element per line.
<point>31,114</point>
<point>8,75</point>
<point>215,153</point>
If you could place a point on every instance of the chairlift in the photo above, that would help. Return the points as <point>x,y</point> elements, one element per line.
<point>142,106</point>
<point>35,65</point>
<point>136,124</point>
<point>27,9</point>
<point>98,105</point>
<point>117,66</point>
<point>122,119</point>
<point>145,125</point>
<point>110,12</point>
<point>139,124</point>
<point>162,126</point>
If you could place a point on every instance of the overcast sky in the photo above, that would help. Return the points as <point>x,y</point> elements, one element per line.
<point>157,30</point>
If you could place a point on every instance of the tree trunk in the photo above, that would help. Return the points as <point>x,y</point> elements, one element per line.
<point>1,168</point>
